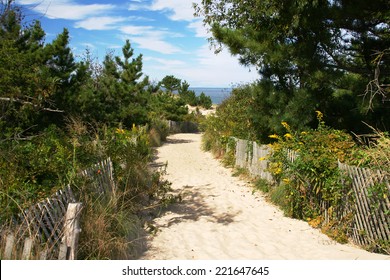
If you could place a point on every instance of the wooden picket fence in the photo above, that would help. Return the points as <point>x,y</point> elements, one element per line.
<point>253,157</point>
<point>371,212</point>
<point>101,177</point>
<point>371,209</point>
<point>44,230</point>
<point>50,228</point>
<point>183,127</point>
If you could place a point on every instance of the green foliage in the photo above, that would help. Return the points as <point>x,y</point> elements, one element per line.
<point>312,174</point>
<point>164,105</point>
<point>159,130</point>
<point>376,155</point>
<point>312,55</point>
<point>114,95</point>
<point>188,96</point>
<point>171,83</point>
<point>262,185</point>
<point>205,101</point>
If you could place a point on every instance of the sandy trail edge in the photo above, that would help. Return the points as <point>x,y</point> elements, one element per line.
<point>219,217</point>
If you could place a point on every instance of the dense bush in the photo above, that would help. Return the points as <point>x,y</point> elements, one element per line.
<point>311,176</point>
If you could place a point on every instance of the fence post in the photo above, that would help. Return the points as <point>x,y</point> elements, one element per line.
<point>68,248</point>
<point>28,243</point>
<point>9,246</point>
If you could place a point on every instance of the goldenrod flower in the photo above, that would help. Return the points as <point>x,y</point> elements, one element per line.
<point>319,115</point>
<point>285,125</point>
<point>288,136</point>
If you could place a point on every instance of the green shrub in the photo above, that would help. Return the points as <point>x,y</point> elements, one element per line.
<point>313,174</point>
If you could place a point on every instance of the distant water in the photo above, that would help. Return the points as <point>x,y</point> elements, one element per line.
<point>217,94</point>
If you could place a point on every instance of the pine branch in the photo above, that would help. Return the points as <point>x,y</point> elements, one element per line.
<point>30,103</point>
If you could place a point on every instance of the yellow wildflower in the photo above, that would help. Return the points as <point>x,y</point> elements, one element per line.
<point>288,136</point>
<point>319,115</point>
<point>286,180</point>
<point>274,136</point>
<point>134,129</point>
<point>262,158</point>
<point>304,133</point>
<point>120,131</point>
<point>285,125</point>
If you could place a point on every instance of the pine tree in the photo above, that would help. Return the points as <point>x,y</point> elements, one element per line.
<point>307,48</point>
<point>25,87</point>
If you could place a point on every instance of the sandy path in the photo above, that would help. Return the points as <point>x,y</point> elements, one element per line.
<point>219,217</point>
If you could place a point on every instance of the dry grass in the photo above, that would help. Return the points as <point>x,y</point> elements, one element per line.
<point>110,231</point>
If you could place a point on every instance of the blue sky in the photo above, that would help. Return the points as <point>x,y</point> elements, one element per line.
<point>171,39</point>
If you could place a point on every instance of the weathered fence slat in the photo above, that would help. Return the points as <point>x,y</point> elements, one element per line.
<point>60,202</point>
<point>381,210</point>
<point>71,232</point>
<point>54,218</point>
<point>370,227</point>
<point>374,217</point>
<point>358,222</point>
<point>43,254</point>
<point>360,206</point>
<point>27,247</point>
<point>9,246</point>
<point>47,223</point>
<point>101,175</point>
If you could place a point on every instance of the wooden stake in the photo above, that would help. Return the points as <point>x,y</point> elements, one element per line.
<point>71,231</point>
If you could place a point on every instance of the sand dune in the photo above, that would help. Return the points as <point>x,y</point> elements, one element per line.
<point>220,218</point>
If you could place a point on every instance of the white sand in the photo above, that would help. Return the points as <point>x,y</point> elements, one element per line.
<point>202,111</point>
<point>219,217</point>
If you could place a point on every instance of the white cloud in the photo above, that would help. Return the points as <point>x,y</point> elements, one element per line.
<point>180,9</point>
<point>139,18</point>
<point>222,69</point>
<point>205,70</point>
<point>147,37</point>
<point>155,44</point>
<point>177,9</point>
<point>165,64</point>
<point>99,23</point>
<point>199,28</point>
<point>67,9</point>
<point>138,5</point>
<point>136,30</point>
